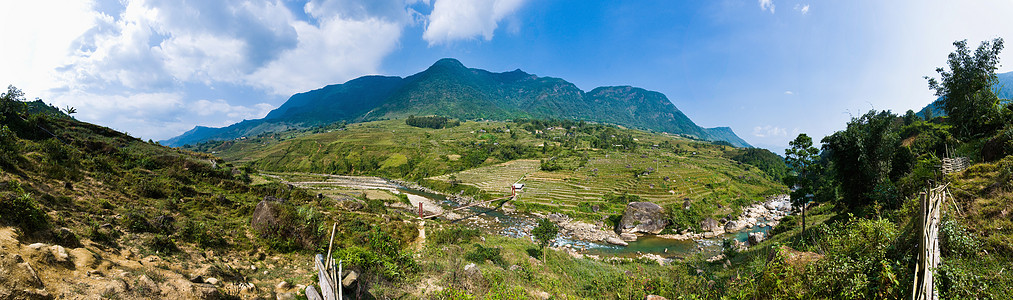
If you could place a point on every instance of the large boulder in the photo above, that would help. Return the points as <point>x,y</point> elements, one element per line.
<point>755,238</point>
<point>643,217</point>
<point>709,224</point>
<point>733,226</point>
<point>267,214</point>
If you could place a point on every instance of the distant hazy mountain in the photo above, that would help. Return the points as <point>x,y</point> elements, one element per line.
<point>450,89</point>
<point>1003,88</point>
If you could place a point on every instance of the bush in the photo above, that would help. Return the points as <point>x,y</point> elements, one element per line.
<point>162,244</point>
<point>20,210</point>
<point>381,259</point>
<point>453,235</point>
<point>199,233</point>
<point>137,222</point>
<point>482,254</point>
<point>8,146</point>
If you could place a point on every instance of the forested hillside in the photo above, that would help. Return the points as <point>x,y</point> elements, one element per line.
<point>450,89</point>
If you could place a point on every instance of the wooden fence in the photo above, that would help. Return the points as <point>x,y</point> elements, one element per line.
<point>928,245</point>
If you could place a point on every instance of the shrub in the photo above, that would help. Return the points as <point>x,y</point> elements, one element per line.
<point>162,244</point>
<point>137,222</point>
<point>8,146</point>
<point>199,233</point>
<point>482,254</point>
<point>20,209</point>
<point>453,235</point>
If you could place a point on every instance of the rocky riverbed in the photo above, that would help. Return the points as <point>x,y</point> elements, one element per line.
<point>767,213</point>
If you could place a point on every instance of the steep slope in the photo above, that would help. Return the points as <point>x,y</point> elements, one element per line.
<point>450,89</point>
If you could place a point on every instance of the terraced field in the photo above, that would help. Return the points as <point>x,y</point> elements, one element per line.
<point>664,178</point>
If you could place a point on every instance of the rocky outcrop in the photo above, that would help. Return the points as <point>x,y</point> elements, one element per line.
<point>755,238</point>
<point>643,217</point>
<point>709,224</point>
<point>266,215</point>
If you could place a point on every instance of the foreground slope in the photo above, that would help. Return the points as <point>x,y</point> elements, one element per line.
<point>450,89</point>
<point>86,211</point>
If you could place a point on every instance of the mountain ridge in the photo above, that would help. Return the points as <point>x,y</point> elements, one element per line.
<point>449,88</point>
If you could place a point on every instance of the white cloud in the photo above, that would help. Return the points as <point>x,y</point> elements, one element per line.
<point>149,67</point>
<point>802,8</point>
<point>36,37</point>
<point>466,19</point>
<point>789,93</point>
<point>767,5</point>
<point>335,51</point>
<point>157,115</point>
<point>769,131</point>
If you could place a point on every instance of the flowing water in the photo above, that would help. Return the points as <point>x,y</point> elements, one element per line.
<point>518,225</point>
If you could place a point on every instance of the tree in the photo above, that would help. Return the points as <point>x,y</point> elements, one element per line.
<point>545,233</point>
<point>966,89</point>
<point>910,117</point>
<point>864,156</point>
<point>804,169</point>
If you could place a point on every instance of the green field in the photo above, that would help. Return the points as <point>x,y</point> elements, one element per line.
<point>491,156</point>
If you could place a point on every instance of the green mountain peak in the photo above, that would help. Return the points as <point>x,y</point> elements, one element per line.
<point>450,89</point>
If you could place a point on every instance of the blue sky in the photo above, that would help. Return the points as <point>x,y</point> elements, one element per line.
<point>769,69</point>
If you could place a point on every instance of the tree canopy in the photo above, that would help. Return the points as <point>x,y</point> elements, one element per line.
<point>967,89</point>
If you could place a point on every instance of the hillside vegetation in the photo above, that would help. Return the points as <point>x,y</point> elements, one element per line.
<point>567,166</point>
<point>88,211</point>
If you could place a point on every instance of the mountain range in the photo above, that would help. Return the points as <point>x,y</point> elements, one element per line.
<point>450,89</point>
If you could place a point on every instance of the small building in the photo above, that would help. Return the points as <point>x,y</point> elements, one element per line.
<point>517,186</point>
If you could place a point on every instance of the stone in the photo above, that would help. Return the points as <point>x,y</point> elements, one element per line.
<point>541,295</point>
<point>266,214</point>
<point>470,267</point>
<point>616,241</point>
<point>113,287</point>
<point>82,258</point>
<point>211,281</point>
<point>144,283</point>
<point>197,279</point>
<point>655,297</point>
<point>286,296</point>
<point>59,253</point>
<point>709,224</point>
<point>350,279</point>
<point>733,226</point>
<point>628,237</point>
<point>643,217</point>
<point>203,291</point>
<point>284,285</point>
<point>755,238</point>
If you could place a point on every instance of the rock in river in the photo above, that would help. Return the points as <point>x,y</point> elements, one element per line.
<point>643,217</point>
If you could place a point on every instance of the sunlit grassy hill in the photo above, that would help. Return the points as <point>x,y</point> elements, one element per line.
<point>560,165</point>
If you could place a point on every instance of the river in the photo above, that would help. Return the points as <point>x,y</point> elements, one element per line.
<point>518,225</point>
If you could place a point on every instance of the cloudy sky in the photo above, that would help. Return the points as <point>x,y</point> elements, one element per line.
<point>767,68</point>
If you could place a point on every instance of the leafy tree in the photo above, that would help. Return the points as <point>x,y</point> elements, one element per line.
<point>545,233</point>
<point>966,89</point>
<point>804,169</point>
<point>910,117</point>
<point>863,158</point>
